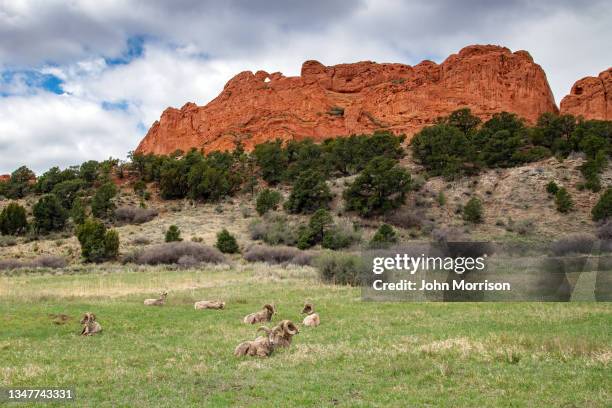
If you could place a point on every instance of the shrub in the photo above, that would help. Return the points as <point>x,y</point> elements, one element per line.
<point>77,212</point>
<point>272,160</point>
<point>173,181</point>
<point>310,192</point>
<point>603,209</point>
<point>97,244</point>
<point>173,234</point>
<point>67,191</point>
<point>50,261</point>
<point>382,186</point>
<point>341,235</point>
<point>563,201</point>
<point>552,188</point>
<point>320,222</point>
<point>13,220</point>
<point>444,150</point>
<point>135,215</point>
<point>141,241</point>
<point>20,183</point>
<point>226,242</point>
<point>384,237</point>
<point>472,212</point>
<point>272,255</point>
<point>273,229</point>
<point>267,200</point>
<point>49,214</point>
<point>45,261</point>
<point>172,252</point>
<point>406,218</point>
<point>101,203</point>
<point>573,244</point>
<point>340,268</point>
<point>604,231</point>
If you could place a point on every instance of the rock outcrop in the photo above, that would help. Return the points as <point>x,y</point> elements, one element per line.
<point>590,97</point>
<point>5,178</point>
<point>355,98</point>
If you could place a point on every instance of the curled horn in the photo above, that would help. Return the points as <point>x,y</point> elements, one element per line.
<point>308,308</point>
<point>269,307</point>
<point>289,327</point>
<point>85,318</point>
<point>92,317</point>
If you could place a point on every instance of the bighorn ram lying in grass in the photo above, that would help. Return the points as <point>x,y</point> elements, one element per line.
<point>262,346</point>
<point>157,302</point>
<point>264,315</point>
<point>90,326</point>
<point>283,332</point>
<point>209,304</point>
<point>312,319</point>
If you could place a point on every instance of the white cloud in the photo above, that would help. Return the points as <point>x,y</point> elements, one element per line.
<point>192,47</point>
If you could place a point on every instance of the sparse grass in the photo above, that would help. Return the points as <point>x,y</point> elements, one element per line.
<point>363,354</point>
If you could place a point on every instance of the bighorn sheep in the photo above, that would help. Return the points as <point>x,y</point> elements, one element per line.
<point>157,302</point>
<point>209,304</point>
<point>264,315</point>
<point>312,319</point>
<point>282,333</point>
<point>262,346</point>
<point>90,326</point>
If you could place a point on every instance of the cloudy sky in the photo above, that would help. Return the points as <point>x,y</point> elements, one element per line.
<point>84,79</point>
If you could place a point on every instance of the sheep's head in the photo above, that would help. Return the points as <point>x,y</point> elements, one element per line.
<point>88,318</point>
<point>222,305</point>
<point>163,294</point>
<point>308,308</point>
<point>289,328</point>
<point>269,309</point>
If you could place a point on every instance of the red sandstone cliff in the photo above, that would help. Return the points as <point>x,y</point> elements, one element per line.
<point>355,98</point>
<point>590,97</point>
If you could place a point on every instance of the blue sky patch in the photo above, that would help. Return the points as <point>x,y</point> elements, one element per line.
<point>32,79</point>
<point>120,105</point>
<point>134,49</point>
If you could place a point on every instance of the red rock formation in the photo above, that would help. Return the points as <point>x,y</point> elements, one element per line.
<point>590,97</point>
<point>355,98</point>
<point>5,178</point>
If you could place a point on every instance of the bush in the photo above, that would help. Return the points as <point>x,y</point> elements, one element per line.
<point>13,220</point>
<point>604,231</point>
<point>444,150</point>
<point>472,212</point>
<point>173,234</point>
<point>384,237</point>
<point>97,244</point>
<point>573,244</point>
<point>382,186</point>
<point>563,201</point>
<point>272,160</point>
<point>67,191</point>
<point>45,261</point>
<point>135,215</point>
<point>172,252</point>
<point>267,200</point>
<point>77,212</point>
<point>275,255</point>
<point>552,188</point>
<point>310,192</point>
<point>340,268</point>
<point>273,229</point>
<point>341,235</point>
<point>603,209</point>
<point>226,242</point>
<point>101,204</point>
<point>49,214</point>
<point>406,218</point>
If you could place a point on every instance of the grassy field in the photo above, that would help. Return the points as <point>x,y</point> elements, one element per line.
<point>363,354</point>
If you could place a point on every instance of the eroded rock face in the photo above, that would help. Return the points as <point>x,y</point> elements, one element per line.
<point>5,178</point>
<point>355,98</point>
<point>590,97</point>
